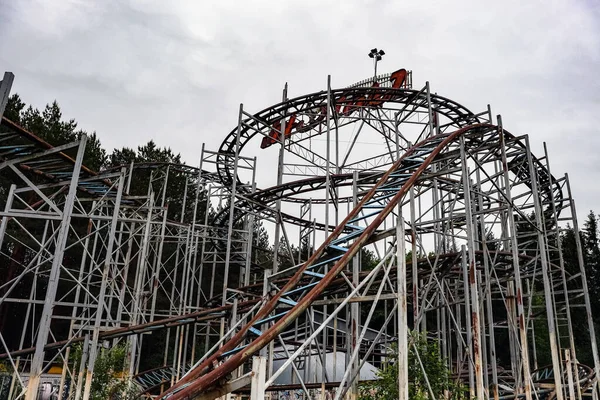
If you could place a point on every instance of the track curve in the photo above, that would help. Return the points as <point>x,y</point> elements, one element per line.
<point>265,119</point>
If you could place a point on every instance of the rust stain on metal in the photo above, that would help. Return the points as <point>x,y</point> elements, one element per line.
<point>472,273</point>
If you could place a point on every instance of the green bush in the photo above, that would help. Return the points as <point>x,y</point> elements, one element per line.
<point>434,370</point>
<point>108,381</point>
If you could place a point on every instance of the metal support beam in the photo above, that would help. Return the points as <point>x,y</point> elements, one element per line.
<point>53,279</point>
<point>257,385</point>
<point>5,86</point>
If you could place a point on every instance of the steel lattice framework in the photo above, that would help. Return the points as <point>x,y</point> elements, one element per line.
<point>463,224</point>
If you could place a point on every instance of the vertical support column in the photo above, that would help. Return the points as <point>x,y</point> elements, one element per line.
<point>551,182</point>
<point>264,352</point>
<point>31,305</point>
<point>402,315</point>
<point>197,328</point>
<point>249,239</point>
<point>217,191</point>
<point>513,337</point>
<point>5,86</point>
<point>569,367</point>
<point>354,307</point>
<point>473,282</point>
<point>482,327</point>
<point>439,237</point>
<point>402,309</point>
<point>533,353</point>
<point>278,221</point>
<point>158,257</point>
<point>53,278</point>
<point>101,296</point>
<point>327,155</point>
<point>488,294</point>
<point>86,346</point>
<point>180,340</point>
<point>338,169</point>
<point>189,269</point>
<point>517,271</point>
<point>429,109</point>
<point>545,275</point>
<point>445,342</point>
<point>327,201</point>
<point>415,268</point>
<point>259,376</point>
<point>124,275</point>
<point>192,302</point>
<point>475,316</point>
<point>7,206</point>
<point>132,358</point>
<point>232,323</point>
<point>458,336</point>
<point>468,325</point>
<point>586,293</point>
<point>231,215</point>
<point>193,258</point>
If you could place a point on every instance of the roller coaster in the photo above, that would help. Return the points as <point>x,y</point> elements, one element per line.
<point>392,210</point>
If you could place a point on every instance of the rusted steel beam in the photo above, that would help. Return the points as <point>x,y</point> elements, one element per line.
<point>184,319</point>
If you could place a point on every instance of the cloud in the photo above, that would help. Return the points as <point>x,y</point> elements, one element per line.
<point>177,71</point>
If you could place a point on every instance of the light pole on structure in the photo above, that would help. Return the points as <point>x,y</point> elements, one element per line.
<point>376,55</point>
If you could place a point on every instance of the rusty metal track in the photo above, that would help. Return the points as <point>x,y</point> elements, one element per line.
<point>399,178</point>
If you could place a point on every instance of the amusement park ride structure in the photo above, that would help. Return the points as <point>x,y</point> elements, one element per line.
<point>463,219</point>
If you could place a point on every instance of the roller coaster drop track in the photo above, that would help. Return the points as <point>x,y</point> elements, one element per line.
<point>463,184</point>
<point>312,278</point>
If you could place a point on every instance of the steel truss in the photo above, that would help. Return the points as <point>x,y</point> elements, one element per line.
<point>465,223</point>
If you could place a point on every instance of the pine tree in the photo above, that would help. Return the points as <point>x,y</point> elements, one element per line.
<point>50,126</point>
<point>591,246</point>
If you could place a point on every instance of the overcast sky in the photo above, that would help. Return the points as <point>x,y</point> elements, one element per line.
<point>176,71</point>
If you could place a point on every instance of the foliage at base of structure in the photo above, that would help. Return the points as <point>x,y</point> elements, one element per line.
<point>108,381</point>
<point>428,375</point>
